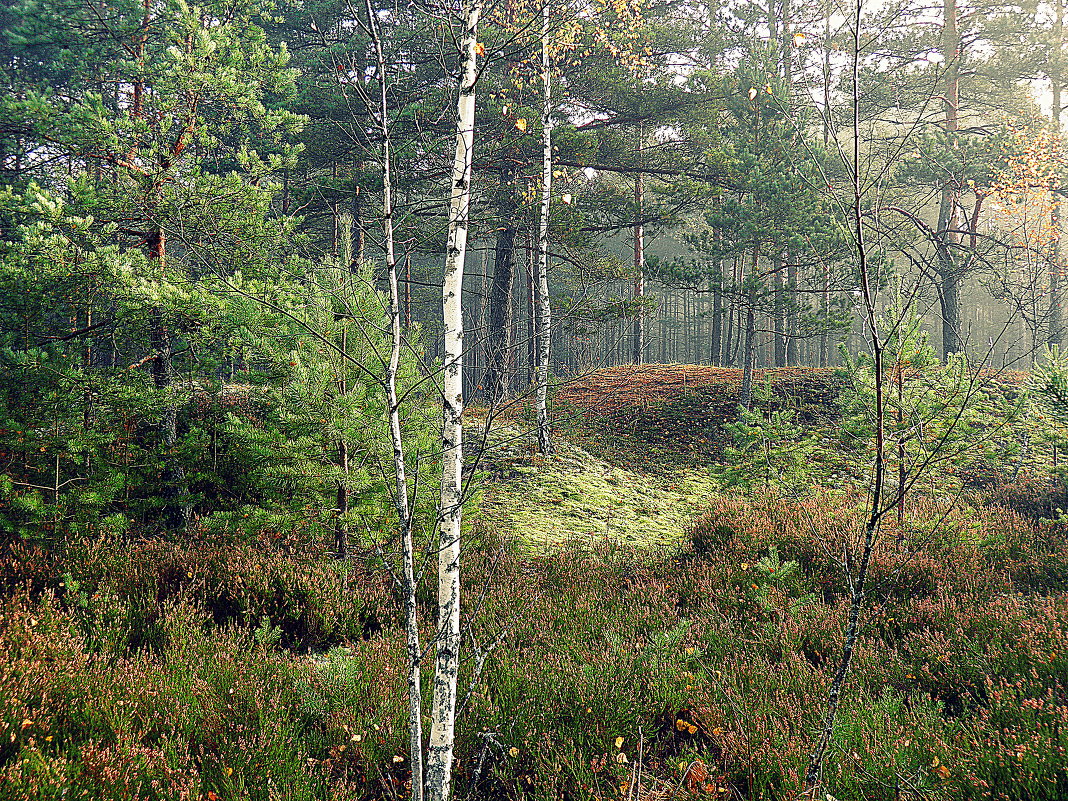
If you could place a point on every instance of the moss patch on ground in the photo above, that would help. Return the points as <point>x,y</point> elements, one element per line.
<point>576,496</point>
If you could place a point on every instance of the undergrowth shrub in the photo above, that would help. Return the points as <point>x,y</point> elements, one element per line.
<point>120,678</point>
<point>311,603</point>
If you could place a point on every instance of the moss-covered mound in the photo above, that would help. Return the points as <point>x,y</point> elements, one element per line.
<point>576,496</point>
<point>682,407</point>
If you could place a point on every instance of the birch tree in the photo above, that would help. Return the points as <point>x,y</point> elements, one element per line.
<point>408,581</point>
<point>443,710</point>
<point>544,315</point>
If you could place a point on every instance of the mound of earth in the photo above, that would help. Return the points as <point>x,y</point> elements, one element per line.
<point>683,407</point>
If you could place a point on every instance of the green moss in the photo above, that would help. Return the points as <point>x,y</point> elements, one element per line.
<point>576,496</point>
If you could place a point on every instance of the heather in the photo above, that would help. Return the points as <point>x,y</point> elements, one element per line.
<point>226,666</point>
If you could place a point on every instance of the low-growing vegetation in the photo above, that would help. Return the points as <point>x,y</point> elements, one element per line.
<point>228,668</point>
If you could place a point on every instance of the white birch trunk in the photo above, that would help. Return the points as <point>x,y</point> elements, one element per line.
<point>400,473</point>
<point>543,330</point>
<point>443,711</point>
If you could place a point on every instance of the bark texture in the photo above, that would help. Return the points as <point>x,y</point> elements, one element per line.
<point>543,326</point>
<point>408,580</point>
<point>440,751</point>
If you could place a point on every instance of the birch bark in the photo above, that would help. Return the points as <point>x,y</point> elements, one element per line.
<point>543,327</point>
<point>439,760</point>
<point>408,580</point>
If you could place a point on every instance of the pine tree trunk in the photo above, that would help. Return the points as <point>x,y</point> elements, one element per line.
<point>745,397</point>
<point>440,751</point>
<point>791,314</point>
<point>949,304</point>
<point>730,337</point>
<point>497,383</point>
<point>749,353</point>
<point>779,317</point>
<point>717,322</point>
<point>825,312</point>
<point>638,334</point>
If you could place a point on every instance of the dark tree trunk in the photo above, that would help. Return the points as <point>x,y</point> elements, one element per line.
<point>779,317</point>
<point>717,323</point>
<point>949,302</point>
<point>497,383</point>
<point>745,397</point>
<point>791,316</point>
<point>638,332</point>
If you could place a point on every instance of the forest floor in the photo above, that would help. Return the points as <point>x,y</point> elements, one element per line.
<point>634,450</point>
<point>669,603</point>
<point>578,497</point>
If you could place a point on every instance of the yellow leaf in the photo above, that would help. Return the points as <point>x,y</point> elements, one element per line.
<point>480,49</point>
<point>752,93</point>
<point>767,88</point>
<point>521,124</point>
<point>397,759</point>
<point>619,742</point>
<point>229,771</point>
<point>513,752</point>
<point>799,39</point>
